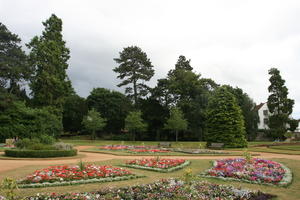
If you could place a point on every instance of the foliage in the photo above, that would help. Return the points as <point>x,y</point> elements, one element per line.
<point>134,123</point>
<point>134,67</point>
<point>93,122</point>
<point>293,124</point>
<point>113,106</point>
<point>14,69</point>
<point>9,187</point>
<point>250,115</point>
<point>63,146</point>
<point>17,120</point>
<point>50,84</point>
<point>155,116</point>
<point>176,121</point>
<point>225,122</point>
<point>39,153</point>
<point>75,108</point>
<point>279,104</point>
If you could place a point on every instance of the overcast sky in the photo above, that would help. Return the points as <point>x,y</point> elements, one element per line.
<point>233,42</point>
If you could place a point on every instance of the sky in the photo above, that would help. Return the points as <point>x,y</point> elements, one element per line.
<point>233,42</point>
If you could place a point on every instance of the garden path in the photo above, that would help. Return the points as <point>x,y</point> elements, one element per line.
<point>6,165</point>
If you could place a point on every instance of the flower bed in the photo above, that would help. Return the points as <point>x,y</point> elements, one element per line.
<point>69,175</point>
<point>164,189</point>
<point>256,171</point>
<point>124,147</point>
<point>199,151</point>
<point>148,151</point>
<point>157,164</point>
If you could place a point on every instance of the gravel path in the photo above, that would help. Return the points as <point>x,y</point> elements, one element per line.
<point>6,165</point>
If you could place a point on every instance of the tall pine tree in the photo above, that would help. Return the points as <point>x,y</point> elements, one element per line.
<point>279,104</point>
<point>135,68</point>
<point>49,56</point>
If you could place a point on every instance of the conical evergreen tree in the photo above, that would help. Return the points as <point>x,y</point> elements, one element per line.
<point>225,123</point>
<point>49,56</point>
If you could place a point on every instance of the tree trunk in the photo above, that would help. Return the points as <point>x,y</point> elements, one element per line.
<point>176,133</point>
<point>133,135</point>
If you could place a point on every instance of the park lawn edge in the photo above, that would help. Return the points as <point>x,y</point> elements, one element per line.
<point>78,182</point>
<point>285,182</point>
<point>178,167</point>
<point>92,150</point>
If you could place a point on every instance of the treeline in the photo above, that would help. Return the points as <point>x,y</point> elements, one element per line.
<point>183,105</point>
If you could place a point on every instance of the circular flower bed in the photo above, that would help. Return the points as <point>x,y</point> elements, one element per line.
<point>148,151</point>
<point>158,164</point>
<point>68,175</point>
<point>254,171</point>
<point>165,189</point>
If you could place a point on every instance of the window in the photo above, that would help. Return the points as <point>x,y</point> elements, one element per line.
<point>265,112</point>
<point>266,120</point>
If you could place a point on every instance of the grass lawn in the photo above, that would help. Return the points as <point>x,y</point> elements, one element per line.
<point>286,147</point>
<point>183,144</point>
<point>125,153</point>
<point>292,192</point>
<point>274,150</point>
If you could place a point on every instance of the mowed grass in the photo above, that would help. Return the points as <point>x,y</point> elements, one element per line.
<point>291,192</point>
<point>181,144</point>
<point>126,153</point>
<point>287,147</point>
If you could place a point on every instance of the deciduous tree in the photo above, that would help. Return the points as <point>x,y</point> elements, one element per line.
<point>93,122</point>
<point>134,123</point>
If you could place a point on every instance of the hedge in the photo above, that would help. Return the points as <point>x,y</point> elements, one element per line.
<point>20,153</point>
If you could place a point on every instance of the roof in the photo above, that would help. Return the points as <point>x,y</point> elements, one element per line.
<point>257,107</point>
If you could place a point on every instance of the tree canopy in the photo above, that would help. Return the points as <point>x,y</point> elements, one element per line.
<point>93,122</point>
<point>134,123</point>
<point>225,122</point>
<point>49,57</point>
<point>279,104</point>
<point>134,68</point>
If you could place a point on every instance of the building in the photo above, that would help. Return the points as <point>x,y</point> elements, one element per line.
<point>298,128</point>
<point>263,114</point>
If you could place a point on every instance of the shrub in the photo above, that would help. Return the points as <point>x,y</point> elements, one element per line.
<point>24,143</point>
<point>63,146</point>
<point>47,139</point>
<point>40,146</point>
<point>39,153</point>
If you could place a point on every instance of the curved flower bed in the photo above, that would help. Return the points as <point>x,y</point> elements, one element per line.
<point>157,164</point>
<point>68,175</point>
<point>256,171</point>
<point>148,151</point>
<point>124,147</point>
<point>165,189</point>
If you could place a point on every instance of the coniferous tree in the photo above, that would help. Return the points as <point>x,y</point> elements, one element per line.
<point>225,122</point>
<point>14,69</point>
<point>135,68</point>
<point>50,84</point>
<point>279,104</point>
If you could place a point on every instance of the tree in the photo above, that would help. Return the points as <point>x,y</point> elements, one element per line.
<point>176,121</point>
<point>225,122</point>
<point>17,120</point>
<point>75,108</point>
<point>247,105</point>
<point>93,122</point>
<point>113,105</point>
<point>279,104</point>
<point>135,68</point>
<point>50,84</point>
<point>293,124</point>
<point>134,123</point>
<point>14,69</point>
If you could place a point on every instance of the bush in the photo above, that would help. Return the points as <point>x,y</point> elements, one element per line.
<point>24,143</point>
<point>63,146</point>
<point>47,139</point>
<point>40,153</point>
<point>40,146</point>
